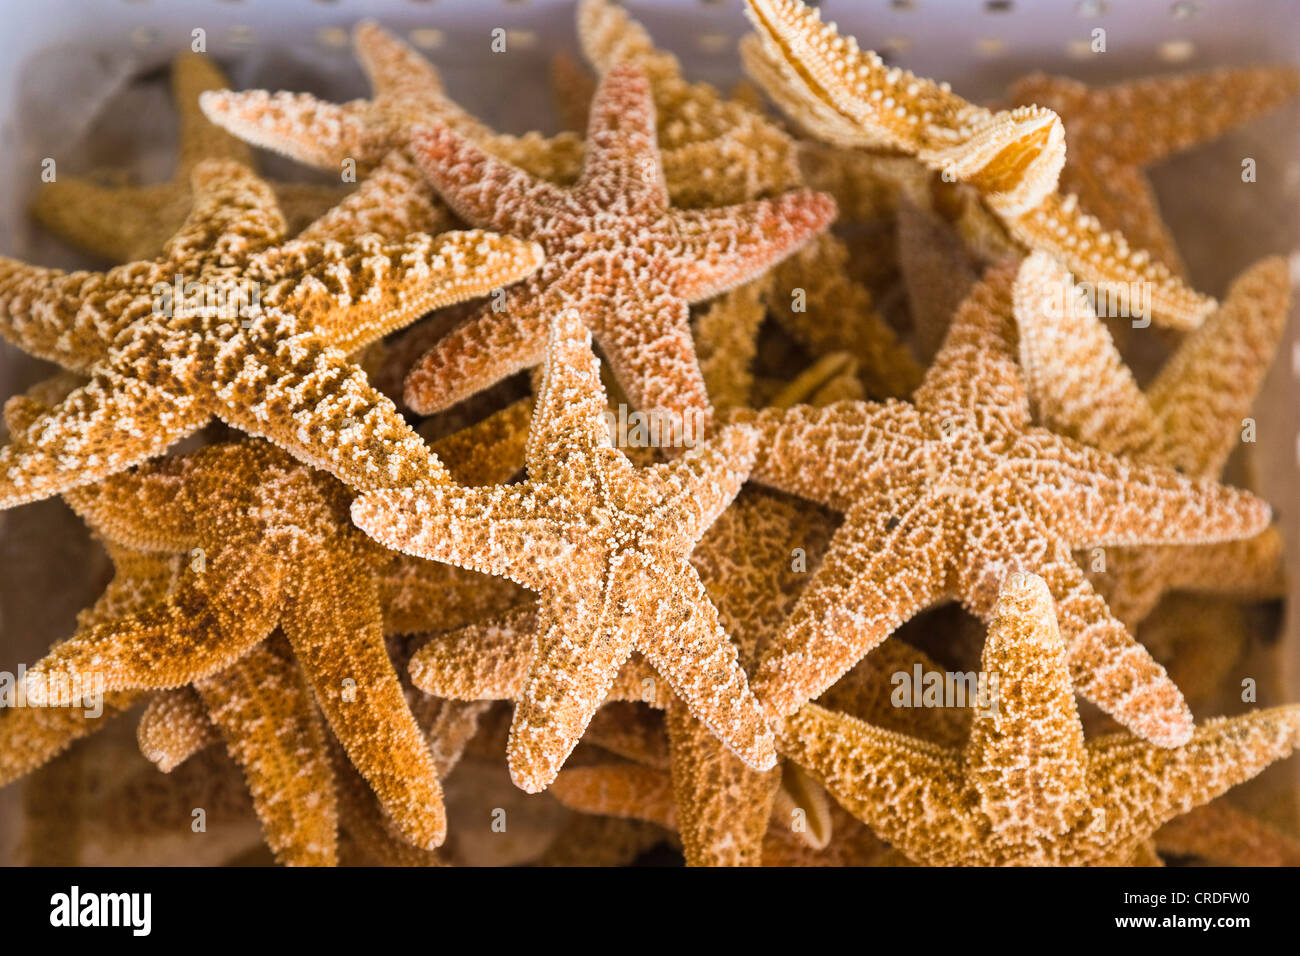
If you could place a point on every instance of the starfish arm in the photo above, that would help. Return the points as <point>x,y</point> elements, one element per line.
<point>420,596</point>
<point>722,805</point>
<point>1099,499</point>
<point>498,530</point>
<point>1220,833</point>
<point>393,68</point>
<point>680,637</point>
<point>1142,121</point>
<point>823,454</point>
<point>480,188</point>
<point>487,661</point>
<point>139,580</point>
<point>887,562</point>
<point>175,725</point>
<point>1131,280</point>
<point>270,725</point>
<point>1025,757</point>
<point>714,250</point>
<point>1138,787</point>
<point>937,272</point>
<point>1110,668</point>
<point>726,337</point>
<point>233,211</point>
<point>363,825</point>
<point>167,507</point>
<point>974,378</point>
<point>1076,378</point>
<point>622,148</point>
<point>909,792</point>
<point>115,223</point>
<point>192,75</point>
<point>651,352</point>
<point>1205,390</point>
<point>1123,201</point>
<point>569,417</point>
<point>355,294</point>
<point>394,201</point>
<point>583,638</point>
<point>486,347</point>
<point>299,125</point>
<point>340,646</point>
<point>33,736</point>
<point>102,428</point>
<point>67,318</point>
<point>492,450</point>
<point>618,790</point>
<point>310,400</point>
<point>449,726</point>
<point>700,484</point>
<point>211,620</point>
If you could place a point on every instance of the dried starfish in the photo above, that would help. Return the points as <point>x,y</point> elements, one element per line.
<point>1116,131</point>
<point>715,151</point>
<point>255,336</point>
<point>606,546</point>
<point>946,496</point>
<point>408,92</point>
<point>1027,788</point>
<point>1226,836</point>
<point>615,252</point>
<point>126,223</point>
<point>1190,418</point>
<point>275,540</point>
<point>1014,157</point>
<point>937,272</point>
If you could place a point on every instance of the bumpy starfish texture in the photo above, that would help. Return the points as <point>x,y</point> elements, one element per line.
<point>125,223</point>
<point>615,252</point>
<point>273,538</point>
<point>1027,788</point>
<point>946,496</point>
<point>1116,131</point>
<point>606,546</point>
<point>1013,157</point>
<point>408,92</point>
<point>1190,418</point>
<point>937,272</point>
<point>255,335</point>
<point>715,151</point>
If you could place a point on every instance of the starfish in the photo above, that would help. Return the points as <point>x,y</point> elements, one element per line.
<point>1226,836</point>
<point>1027,788</point>
<point>256,336</point>
<point>408,93</point>
<point>937,270</point>
<point>126,223</point>
<point>1013,157</point>
<point>1190,418</point>
<point>716,151</point>
<point>947,495</point>
<point>615,251</point>
<point>606,547</point>
<point>274,540</point>
<point>1115,132</point>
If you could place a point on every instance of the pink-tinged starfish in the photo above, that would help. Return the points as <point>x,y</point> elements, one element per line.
<point>607,547</point>
<point>946,496</point>
<point>615,251</point>
<point>1027,788</point>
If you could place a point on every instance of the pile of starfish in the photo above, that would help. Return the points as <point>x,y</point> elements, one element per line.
<point>361,459</point>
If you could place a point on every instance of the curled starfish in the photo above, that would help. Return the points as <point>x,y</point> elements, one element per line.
<point>408,92</point>
<point>126,223</point>
<point>606,546</point>
<point>615,251</point>
<point>1013,157</point>
<point>1189,418</point>
<point>1115,132</point>
<point>1027,788</point>
<point>255,334</point>
<point>946,496</point>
